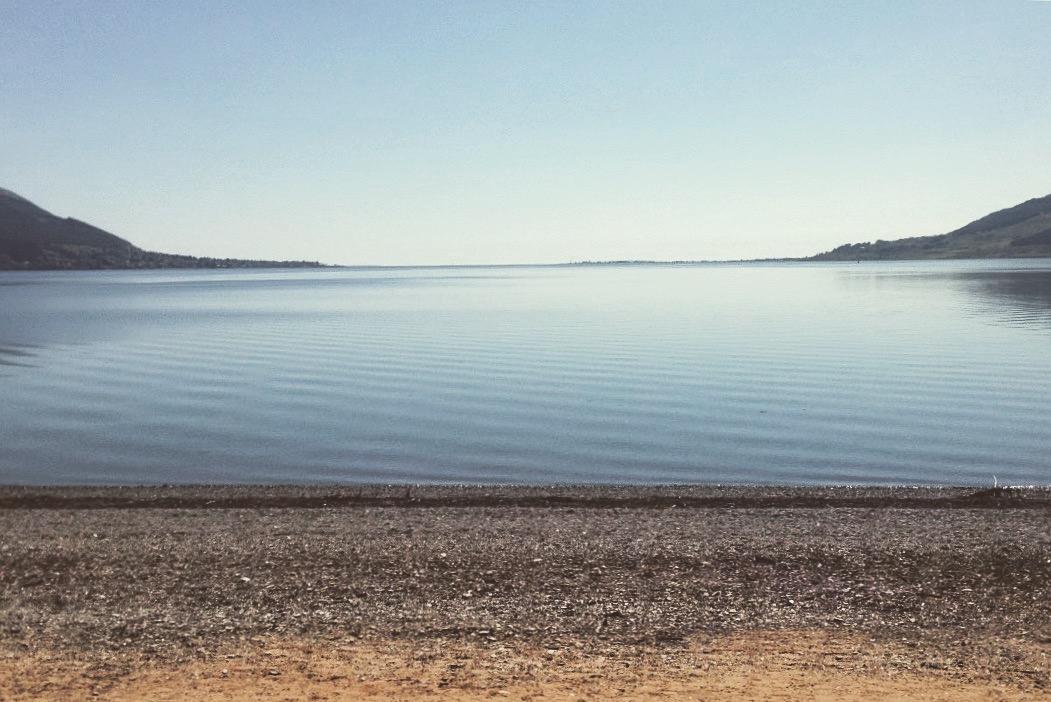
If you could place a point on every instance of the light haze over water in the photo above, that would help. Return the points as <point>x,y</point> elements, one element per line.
<point>880,373</point>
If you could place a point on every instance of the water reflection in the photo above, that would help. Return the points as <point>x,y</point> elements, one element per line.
<point>1019,298</point>
<point>898,372</point>
<point>14,356</point>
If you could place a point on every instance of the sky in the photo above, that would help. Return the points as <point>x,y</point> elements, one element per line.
<point>513,132</point>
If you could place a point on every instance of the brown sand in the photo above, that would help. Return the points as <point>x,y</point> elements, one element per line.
<point>782,665</point>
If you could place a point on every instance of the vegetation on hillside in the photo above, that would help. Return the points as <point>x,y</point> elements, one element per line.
<point>1021,231</point>
<point>32,238</point>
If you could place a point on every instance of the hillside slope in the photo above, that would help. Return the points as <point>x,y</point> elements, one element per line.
<point>32,238</point>
<point>1022,231</point>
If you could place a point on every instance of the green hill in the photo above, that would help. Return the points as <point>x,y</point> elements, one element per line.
<point>32,238</point>
<point>1022,231</point>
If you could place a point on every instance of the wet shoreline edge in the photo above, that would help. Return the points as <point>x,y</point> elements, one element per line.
<point>519,496</point>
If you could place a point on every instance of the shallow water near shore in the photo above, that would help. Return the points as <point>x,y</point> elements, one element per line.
<point>876,373</point>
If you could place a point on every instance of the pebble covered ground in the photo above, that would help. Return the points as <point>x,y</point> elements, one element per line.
<point>958,580</point>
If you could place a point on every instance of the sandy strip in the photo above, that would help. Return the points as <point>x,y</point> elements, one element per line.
<point>786,665</point>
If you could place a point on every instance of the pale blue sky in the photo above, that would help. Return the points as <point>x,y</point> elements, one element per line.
<point>394,133</point>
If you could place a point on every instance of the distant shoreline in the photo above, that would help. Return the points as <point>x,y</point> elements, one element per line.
<point>32,238</point>
<point>309,266</point>
<point>193,263</point>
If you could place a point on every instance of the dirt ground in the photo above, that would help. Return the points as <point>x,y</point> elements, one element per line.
<point>770,665</point>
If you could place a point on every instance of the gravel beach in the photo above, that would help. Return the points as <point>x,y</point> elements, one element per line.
<point>343,593</point>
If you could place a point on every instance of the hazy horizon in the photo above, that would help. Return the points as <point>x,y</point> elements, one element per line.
<point>494,133</point>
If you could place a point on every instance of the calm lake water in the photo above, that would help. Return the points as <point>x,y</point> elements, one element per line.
<point>933,372</point>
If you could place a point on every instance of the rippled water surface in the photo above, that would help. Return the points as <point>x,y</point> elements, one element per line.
<point>934,372</point>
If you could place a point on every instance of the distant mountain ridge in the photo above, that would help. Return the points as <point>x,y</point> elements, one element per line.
<point>32,238</point>
<point>1022,231</point>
